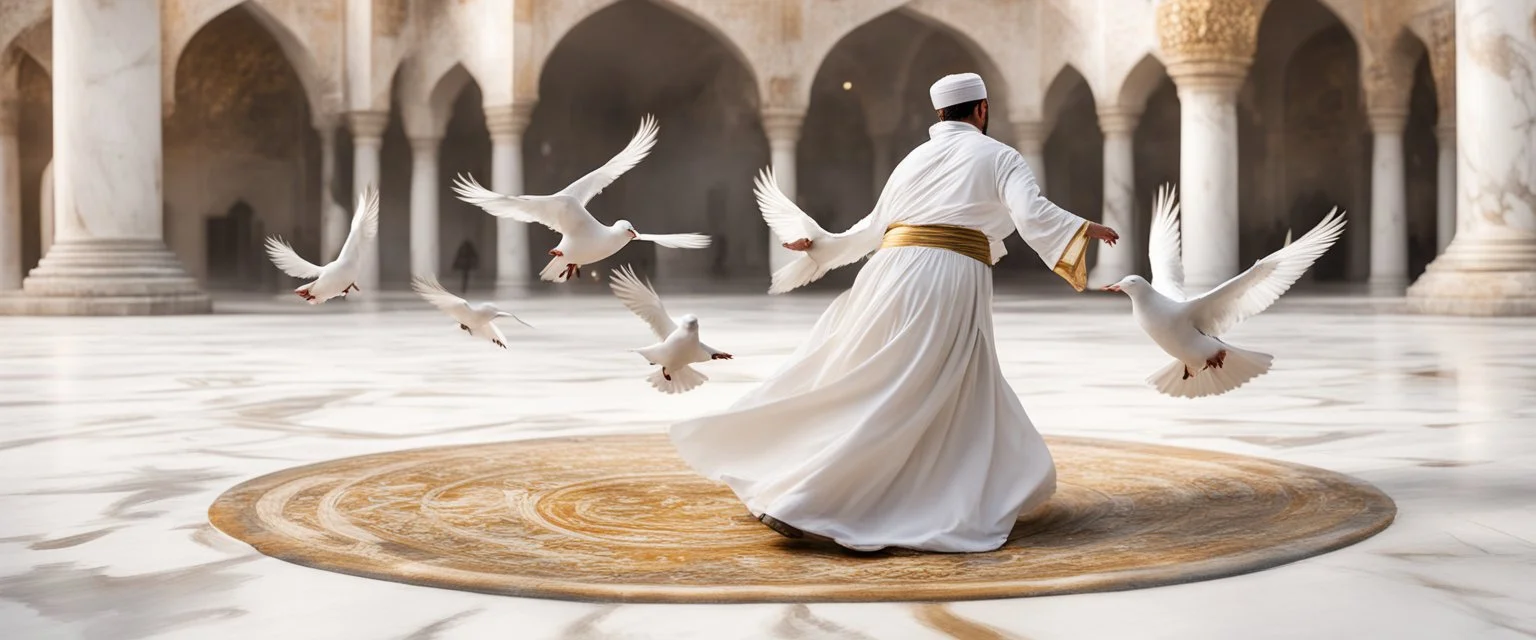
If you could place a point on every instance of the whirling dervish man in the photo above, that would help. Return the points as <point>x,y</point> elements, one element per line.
<point>340,276</point>
<point>679,347</point>
<point>1188,329</point>
<point>583,240</point>
<point>892,425</point>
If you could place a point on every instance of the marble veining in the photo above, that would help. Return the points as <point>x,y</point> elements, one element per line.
<point>116,434</point>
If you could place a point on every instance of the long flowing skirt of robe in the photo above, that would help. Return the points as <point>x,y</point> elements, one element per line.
<point>892,426</point>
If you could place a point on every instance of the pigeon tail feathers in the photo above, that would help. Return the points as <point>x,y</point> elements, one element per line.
<point>684,378</point>
<point>1240,366</point>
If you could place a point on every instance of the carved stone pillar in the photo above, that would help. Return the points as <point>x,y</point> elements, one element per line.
<point>507,124</point>
<point>109,255</point>
<point>424,192</point>
<point>1490,266</point>
<point>10,198</point>
<point>782,126</point>
<point>1029,139</point>
<point>334,221</point>
<point>1208,46</point>
<point>1389,203</point>
<point>1445,189</point>
<point>1119,261</point>
<point>367,143</point>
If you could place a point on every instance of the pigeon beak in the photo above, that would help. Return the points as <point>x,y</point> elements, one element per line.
<point>633,235</point>
<point>1114,287</point>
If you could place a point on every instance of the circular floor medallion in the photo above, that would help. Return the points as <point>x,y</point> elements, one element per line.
<point>621,518</point>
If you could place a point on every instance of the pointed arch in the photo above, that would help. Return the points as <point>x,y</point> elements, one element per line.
<point>193,16</point>
<point>1060,91</point>
<point>1138,85</point>
<point>565,17</point>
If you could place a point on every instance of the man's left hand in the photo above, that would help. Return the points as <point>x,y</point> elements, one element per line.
<point>1100,232</point>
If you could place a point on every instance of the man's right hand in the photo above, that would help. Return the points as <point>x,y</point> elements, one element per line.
<point>803,244</point>
<point>1105,234</point>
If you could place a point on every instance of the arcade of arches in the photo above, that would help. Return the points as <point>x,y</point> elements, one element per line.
<point>261,117</point>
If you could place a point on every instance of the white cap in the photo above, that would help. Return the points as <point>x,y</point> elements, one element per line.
<point>957,88</point>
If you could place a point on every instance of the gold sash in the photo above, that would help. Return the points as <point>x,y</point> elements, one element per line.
<point>966,242</point>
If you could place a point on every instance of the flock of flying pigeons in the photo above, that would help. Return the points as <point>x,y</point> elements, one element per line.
<point>1186,328</point>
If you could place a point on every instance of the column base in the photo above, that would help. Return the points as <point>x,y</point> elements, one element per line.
<point>1479,277</point>
<point>1387,287</point>
<point>107,277</point>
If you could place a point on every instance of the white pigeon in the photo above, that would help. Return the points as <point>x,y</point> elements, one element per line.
<point>1189,329</point>
<point>828,251</point>
<point>583,239</point>
<point>477,319</point>
<point>679,346</point>
<point>340,276</point>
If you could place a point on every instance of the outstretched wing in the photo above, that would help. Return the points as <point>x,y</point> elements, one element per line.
<point>642,299</point>
<point>1164,245</point>
<point>286,259</point>
<point>590,185</point>
<point>787,220</point>
<point>676,240</point>
<point>365,224</point>
<point>555,213</point>
<point>1252,291</point>
<point>434,293</point>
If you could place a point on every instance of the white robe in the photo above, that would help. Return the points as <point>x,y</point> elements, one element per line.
<point>892,426</point>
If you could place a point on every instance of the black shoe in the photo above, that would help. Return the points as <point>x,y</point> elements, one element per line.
<point>780,527</point>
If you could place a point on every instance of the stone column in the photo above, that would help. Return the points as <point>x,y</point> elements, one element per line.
<point>507,124</point>
<point>1490,266</point>
<point>1029,136</point>
<point>1389,218</point>
<point>10,199</point>
<point>782,126</point>
<point>1445,192</point>
<point>424,192</point>
<point>108,256</point>
<point>367,142</point>
<point>334,219</point>
<point>1119,261</point>
<point>1208,46</point>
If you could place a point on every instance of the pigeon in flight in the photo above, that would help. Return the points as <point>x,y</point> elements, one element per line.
<point>679,346</point>
<point>1190,329</point>
<point>583,239</point>
<point>476,319</point>
<point>340,276</point>
<point>827,251</point>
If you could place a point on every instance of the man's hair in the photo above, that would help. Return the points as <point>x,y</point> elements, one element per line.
<point>960,111</point>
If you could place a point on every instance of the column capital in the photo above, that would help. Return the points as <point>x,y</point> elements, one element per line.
<point>367,125</point>
<point>782,124</point>
<point>1207,31</point>
<point>1445,132</point>
<point>9,114</point>
<point>1118,121</point>
<point>509,121</point>
<point>423,144</point>
<point>1387,120</point>
<point>1029,134</point>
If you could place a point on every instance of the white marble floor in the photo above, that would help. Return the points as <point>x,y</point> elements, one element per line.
<point>116,434</point>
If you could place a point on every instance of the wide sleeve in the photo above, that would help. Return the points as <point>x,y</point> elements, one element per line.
<point>863,238</point>
<point>1058,236</point>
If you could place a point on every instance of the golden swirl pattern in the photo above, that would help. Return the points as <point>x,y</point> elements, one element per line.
<point>1208,29</point>
<point>620,518</point>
